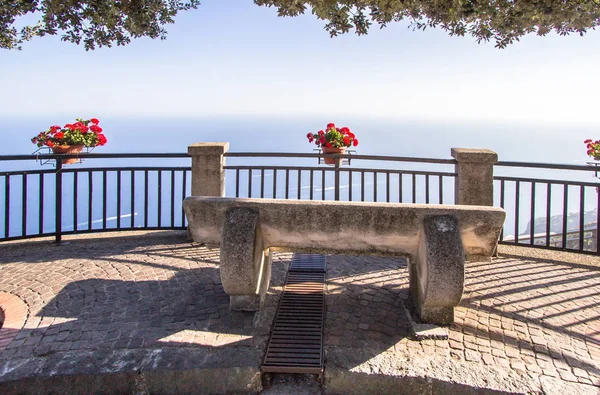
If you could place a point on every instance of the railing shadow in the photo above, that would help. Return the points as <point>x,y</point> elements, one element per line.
<point>540,308</point>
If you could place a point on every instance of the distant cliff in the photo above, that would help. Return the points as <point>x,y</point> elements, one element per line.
<point>556,223</point>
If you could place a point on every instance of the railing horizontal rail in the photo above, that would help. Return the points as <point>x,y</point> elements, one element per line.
<point>93,156</point>
<point>547,166</point>
<point>346,170</point>
<point>352,156</point>
<point>88,231</point>
<point>545,247</point>
<point>131,168</point>
<point>548,181</point>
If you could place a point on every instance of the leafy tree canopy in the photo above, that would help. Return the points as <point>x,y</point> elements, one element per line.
<point>106,22</point>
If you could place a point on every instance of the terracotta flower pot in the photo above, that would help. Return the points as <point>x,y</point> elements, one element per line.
<point>331,160</point>
<point>68,149</point>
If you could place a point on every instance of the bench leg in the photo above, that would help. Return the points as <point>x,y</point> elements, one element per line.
<point>437,274</point>
<point>245,267</point>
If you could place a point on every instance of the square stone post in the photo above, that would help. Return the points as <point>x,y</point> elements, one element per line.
<point>208,174</point>
<point>475,176</point>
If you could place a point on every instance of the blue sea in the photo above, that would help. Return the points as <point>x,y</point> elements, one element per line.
<point>545,143</point>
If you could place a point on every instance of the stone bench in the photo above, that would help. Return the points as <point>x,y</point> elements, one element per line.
<point>435,238</point>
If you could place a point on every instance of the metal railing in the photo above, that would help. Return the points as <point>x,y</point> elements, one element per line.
<point>77,199</point>
<point>550,213</point>
<point>68,200</point>
<point>541,212</point>
<point>338,182</point>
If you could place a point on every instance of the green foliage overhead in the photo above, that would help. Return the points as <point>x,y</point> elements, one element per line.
<point>93,22</point>
<point>99,23</point>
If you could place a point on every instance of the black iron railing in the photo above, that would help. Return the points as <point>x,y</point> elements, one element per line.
<point>341,182</point>
<point>550,213</point>
<point>74,199</point>
<point>543,211</point>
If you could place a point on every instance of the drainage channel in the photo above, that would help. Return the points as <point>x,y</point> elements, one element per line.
<point>296,342</point>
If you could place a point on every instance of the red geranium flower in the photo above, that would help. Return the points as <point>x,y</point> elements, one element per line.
<point>593,148</point>
<point>333,137</point>
<point>72,134</point>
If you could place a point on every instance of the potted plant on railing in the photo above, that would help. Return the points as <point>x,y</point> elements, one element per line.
<point>72,138</point>
<point>593,148</point>
<point>333,141</point>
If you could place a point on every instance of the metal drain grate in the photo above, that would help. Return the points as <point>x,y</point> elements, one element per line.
<point>296,343</point>
<point>308,263</point>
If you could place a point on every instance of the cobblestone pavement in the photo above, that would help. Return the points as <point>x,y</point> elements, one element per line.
<point>524,324</point>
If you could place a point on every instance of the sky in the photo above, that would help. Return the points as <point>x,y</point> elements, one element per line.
<point>233,58</point>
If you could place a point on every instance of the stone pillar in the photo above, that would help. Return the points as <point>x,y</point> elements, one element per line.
<point>208,175</point>
<point>475,176</point>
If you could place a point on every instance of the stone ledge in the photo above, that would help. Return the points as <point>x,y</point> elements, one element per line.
<point>166,370</point>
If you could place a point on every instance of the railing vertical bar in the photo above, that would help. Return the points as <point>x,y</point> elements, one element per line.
<point>274,183</point>
<point>299,184</point>
<point>24,206</point>
<point>145,198</point>
<point>184,192</point>
<point>387,187</point>
<point>548,212</point>
<point>75,200</point>
<point>427,189</point>
<point>441,189</point>
<point>287,183</point>
<point>249,182</point>
<point>119,199</point>
<point>565,214</point>
<point>41,218</point>
<point>598,221</point>
<point>104,199</point>
<point>502,205</point>
<point>133,198</point>
<point>6,205</point>
<point>262,183</point>
<point>362,186</point>
<point>517,192</point>
<point>237,182</point>
<point>414,188</point>
<point>336,180</point>
<point>159,197</point>
<point>532,215</point>
<point>350,185</point>
<point>322,184</point>
<point>374,186</point>
<point>312,180</point>
<point>581,216</point>
<point>58,202</point>
<point>172,198</point>
<point>90,198</point>
<point>400,188</point>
